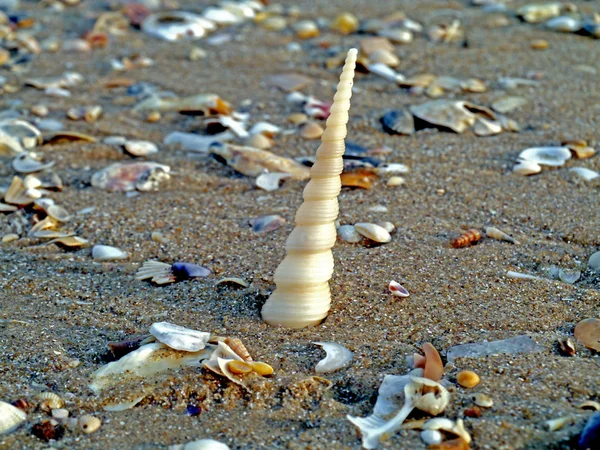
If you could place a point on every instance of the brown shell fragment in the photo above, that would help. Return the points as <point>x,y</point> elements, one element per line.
<point>588,333</point>
<point>467,238</point>
<point>454,444</point>
<point>567,347</point>
<point>361,179</point>
<point>239,348</point>
<point>434,368</point>
<point>48,430</point>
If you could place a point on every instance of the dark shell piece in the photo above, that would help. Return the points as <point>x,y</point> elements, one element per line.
<point>398,121</point>
<point>121,348</point>
<point>590,436</point>
<point>193,410</point>
<point>183,271</point>
<point>46,431</point>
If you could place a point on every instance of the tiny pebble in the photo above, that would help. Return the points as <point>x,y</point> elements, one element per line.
<point>153,116</point>
<point>395,181</point>
<point>539,44</point>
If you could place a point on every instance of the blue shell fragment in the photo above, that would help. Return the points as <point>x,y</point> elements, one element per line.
<point>590,436</point>
<point>183,271</point>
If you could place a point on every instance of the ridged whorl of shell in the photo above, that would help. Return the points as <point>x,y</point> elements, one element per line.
<point>302,296</point>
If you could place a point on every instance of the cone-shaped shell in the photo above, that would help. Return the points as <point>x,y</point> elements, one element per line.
<point>302,296</point>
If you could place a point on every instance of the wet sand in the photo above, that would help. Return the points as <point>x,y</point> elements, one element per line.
<point>73,306</point>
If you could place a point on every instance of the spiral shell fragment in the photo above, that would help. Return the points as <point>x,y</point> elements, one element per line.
<point>302,296</point>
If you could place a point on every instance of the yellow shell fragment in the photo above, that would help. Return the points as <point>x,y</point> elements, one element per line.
<point>302,297</point>
<point>467,378</point>
<point>239,367</point>
<point>261,368</point>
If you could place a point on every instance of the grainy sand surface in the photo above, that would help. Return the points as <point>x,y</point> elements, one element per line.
<point>73,306</point>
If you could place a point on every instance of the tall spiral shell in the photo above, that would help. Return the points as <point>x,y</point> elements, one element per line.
<point>302,296</point>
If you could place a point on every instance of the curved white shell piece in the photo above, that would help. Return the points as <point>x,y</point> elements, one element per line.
<point>11,418</point>
<point>202,444</point>
<point>107,253</point>
<point>178,337</point>
<point>337,357</point>
<point>302,296</point>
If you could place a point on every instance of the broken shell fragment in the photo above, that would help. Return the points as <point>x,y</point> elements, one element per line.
<point>28,163</point>
<point>593,262</point>
<point>201,444</point>
<point>178,337</point>
<point>19,194</point>
<point>266,224</point>
<point>483,400</point>
<point>589,404</point>
<point>11,418</point>
<point>49,401</point>
<point>16,135</point>
<point>546,156</point>
<point>271,181</point>
<point>163,273</point>
<point>140,148</point>
<point>143,176</point>
<point>588,333</point>
<point>253,162</point>
<point>467,378</point>
<point>398,122</point>
<point>233,281</point>
<point>451,115</point>
<point>70,241</point>
<point>457,428</point>
<point>208,104</point>
<point>373,232</point>
<point>567,347</point>
<point>434,367</point>
<point>557,424</point>
<point>108,253</point>
<point>397,289</point>
<point>500,235</point>
<point>349,234</point>
<point>176,25</point>
<point>526,168</point>
<point>58,213</point>
<point>337,357</point>
<point>586,174</point>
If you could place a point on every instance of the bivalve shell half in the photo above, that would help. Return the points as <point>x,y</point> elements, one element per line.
<point>178,337</point>
<point>271,181</point>
<point>176,25</point>
<point>546,156</point>
<point>11,418</point>
<point>564,23</point>
<point>140,148</point>
<point>525,168</point>
<point>58,213</point>
<point>108,253</point>
<point>26,163</point>
<point>373,232</point>
<point>337,357</point>
<point>49,401</point>
<point>349,234</point>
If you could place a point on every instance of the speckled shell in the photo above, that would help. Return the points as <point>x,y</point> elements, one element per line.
<point>302,296</point>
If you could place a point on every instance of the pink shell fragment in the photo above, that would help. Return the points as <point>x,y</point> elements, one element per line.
<point>397,289</point>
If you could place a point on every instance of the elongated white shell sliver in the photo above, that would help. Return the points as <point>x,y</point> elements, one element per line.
<point>302,296</point>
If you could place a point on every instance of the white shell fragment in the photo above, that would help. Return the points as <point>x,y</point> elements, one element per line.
<point>178,337</point>
<point>11,418</point>
<point>28,163</point>
<point>16,135</point>
<point>108,253</point>
<point>557,424</point>
<point>526,168</point>
<point>586,174</point>
<point>144,362</point>
<point>594,261</point>
<point>457,428</point>
<point>373,232</point>
<point>522,276</point>
<point>158,272</point>
<point>202,444</point>
<point>546,156</point>
<point>564,23</point>
<point>431,437</point>
<point>175,25</point>
<point>140,148</point>
<point>397,289</point>
<point>337,357</point>
<point>500,235</point>
<point>271,181</point>
<point>349,234</point>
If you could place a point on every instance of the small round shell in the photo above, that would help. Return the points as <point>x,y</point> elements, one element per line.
<point>49,401</point>
<point>89,424</point>
<point>11,418</point>
<point>485,401</point>
<point>467,378</point>
<point>337,357</point>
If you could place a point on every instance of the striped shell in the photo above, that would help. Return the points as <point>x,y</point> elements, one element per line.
<point>11,418</point>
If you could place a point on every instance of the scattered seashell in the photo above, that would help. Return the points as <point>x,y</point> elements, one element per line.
<point>178,337</point>
<point>589,404</point>
<point>546,156</point>
<point>195,142</point>
<point>123,406</point>
<point>510,346</point>
<point>397,289</point>
<point>431,437</point>
<point>221,16</point>
<point>260,141</point>
<point>108,253</point>
<point>557,424</point>
<point>469,237</point>
<point>238,347</point>
<point>337,357</point>
<point>48,430</point>
<point>143,176</point>
<point>500,235</point>
<point>569,276</point>
<point>454,115</point>
<point>271,181</point>
<point>60,414</point>
<point>58,213</point>
<point>536,13</point>
<point>467,378</point>
<point>208,104</point>
<point>371,44</point>
<point>360,179</point>
<point>311,130</point>
<point>386,72</point>
<point>11,418</point>
<point>434,367</point>
<point>289,82</point>
<point>398,122</point>
<point>184,271</point>
<point>49,401</point>
<point>586,174</point>
<point>239,367</point>
<point>10,237</point>
<point>395,181</point>
<point>70,241</point>
<point>67,79</point>
<point>306,29</point>
<point>526,168</point>
<point>349,234</point>
<point>593,262</point>
<point>233,280</point>
<point>539,44</point>
<point>588,333</point>
<point>89,424</point>
<point>590,436</point>
<point>373,232</point>
<point>144,362</point>
<point>457,428</point>
<point>252,162</point>
<point>567,347</point>
<point>483,400</point>
<point>140,148</point>
<point>345,23</point>
<point>27,163</point>
<point>122,348</point>
<point>158,272</point>
<point>521,276</point>
<point>176,25</point>
<point>383,56</point>
<point>62,136</point>
<point>202,444</point>
<point>507,104</point>
<point>566,24</point>
<point>397,35</point>
<point>266,224</point>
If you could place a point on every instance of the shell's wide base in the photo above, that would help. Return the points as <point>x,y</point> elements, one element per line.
<point>293,324</point>
<point>291,308</point>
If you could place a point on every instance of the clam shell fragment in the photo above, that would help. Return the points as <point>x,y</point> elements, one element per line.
<point>374,232</point>
<point>178,337</point>
<point>28,163</point>
<point>107,253</point>
<point>397,289</point>
<point>143,176</point>
<point>337,357</point>
<point>271,181</point>
<point>546,156</point>
<point>202,444</point>
<point>176,25</point>
<point>16,135</point>
<point>11,418</point>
